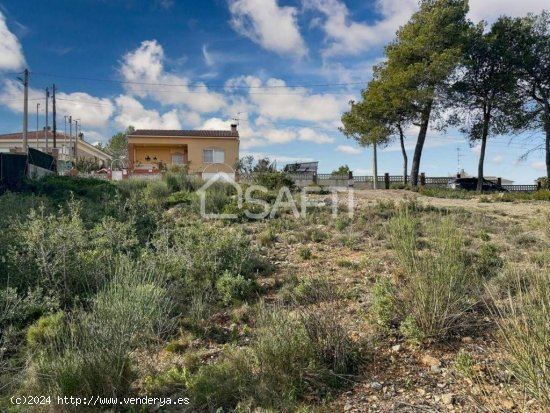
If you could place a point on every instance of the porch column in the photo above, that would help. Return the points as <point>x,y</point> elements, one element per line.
<point>131,157</point>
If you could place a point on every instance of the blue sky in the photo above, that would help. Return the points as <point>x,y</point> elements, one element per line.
<point>285,68</point>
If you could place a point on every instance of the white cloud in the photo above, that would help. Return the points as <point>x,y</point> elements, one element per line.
<point>10,48</point>
<point>93,137</point>
<point>498,159</point>
<point>490,10</point>
<point>477,149</point>
<point>539,166</point>
<point>308,134</point>
<point>144,67</point>
<point>275,101</point>
<point>265,23</point>
<point>347,37</point>
<point>349,150</point>
<point>92,111</point>
<point>132,112</point>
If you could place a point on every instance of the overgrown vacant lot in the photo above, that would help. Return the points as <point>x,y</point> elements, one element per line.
<point>415,304</point>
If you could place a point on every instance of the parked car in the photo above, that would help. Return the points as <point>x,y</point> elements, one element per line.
<point>470,184</point>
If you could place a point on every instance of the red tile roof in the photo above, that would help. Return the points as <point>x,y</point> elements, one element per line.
<point>186,133</point>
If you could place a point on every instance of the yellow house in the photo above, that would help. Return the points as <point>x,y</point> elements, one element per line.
<point>204,152</point>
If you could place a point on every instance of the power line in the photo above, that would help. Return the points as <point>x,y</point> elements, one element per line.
<point>212,85</point>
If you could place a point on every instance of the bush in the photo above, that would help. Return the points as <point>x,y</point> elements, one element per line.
<point>274,180</point>
<point>383,308</point>
<point>178,198</point>
<point>199,255</point>
<point>305,252</point>
<point>182,181</point>
<point>524,335</point>
<point>93,354</point>
<point>220,386</point>
<point>45,330</point>
<point>232,288</point>
<point>439,288</point>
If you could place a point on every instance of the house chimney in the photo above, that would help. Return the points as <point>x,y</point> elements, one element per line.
<point>234,128</point>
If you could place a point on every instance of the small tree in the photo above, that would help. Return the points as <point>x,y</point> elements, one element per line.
<point>342,170</point>
<point>532,51</point>
<point>366,126</point>
<point>422,58</point>
<point>117,146</point>
<point>484,96</point>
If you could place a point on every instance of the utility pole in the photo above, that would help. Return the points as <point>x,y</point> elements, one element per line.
<point>37,107</point>
<point>54,118</point>
<point>71,137</point>
<point>65,134</point>
<point>46,129</point>
<point>76,139</point>
<point>25,81</point>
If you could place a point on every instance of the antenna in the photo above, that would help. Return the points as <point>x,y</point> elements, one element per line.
<point>237,118</point>
<point>458,156</point>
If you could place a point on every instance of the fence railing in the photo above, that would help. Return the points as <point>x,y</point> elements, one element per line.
<point>386,180</point>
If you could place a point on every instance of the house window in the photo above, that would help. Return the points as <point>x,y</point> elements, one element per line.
<point>178,159</point>
<point>213,156</point>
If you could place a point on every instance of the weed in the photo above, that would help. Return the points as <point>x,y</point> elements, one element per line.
<point>464,363</point>
<point>305,252</point>
<point>383,309</point>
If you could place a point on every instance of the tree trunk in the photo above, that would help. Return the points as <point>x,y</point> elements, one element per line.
<point>374,167</point>
<point>547,146</point>
<point>425,121</point>
<point>485,133</point>
<point>404,152</point>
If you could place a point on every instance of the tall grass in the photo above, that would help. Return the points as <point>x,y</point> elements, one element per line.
<point>524,332</point>
<point>93,351</point>
<point>439,287</point>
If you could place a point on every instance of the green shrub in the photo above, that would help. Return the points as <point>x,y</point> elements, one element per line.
<point>93,355</point>
<point>167,382</point>
<point>307,291</point>
<point>45,330</point>
<point>524,335</point>
<point>487,263</point>
<point>232,288</point>
<point>305,252</point>
<point>267,237</point>
<point>181,181</point>
<point>342,223</point>
<point>220,385</point>
<point>274,180</point>
<point>343,263</point>
<point>464,363</point>
<point>179,198</point>
<point>411,331</point>
<point>18,310</point>
<point>383,308</point>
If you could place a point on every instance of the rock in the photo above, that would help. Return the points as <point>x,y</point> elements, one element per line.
<point>430,361</point>
<point>396,348</point>
<point>376,386</point>
<point>507,404</point>
<point>435,369</point>
<point>448,399</point>
<point>467,340</point>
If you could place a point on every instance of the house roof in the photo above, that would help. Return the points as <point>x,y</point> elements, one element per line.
<point>186,133</point>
